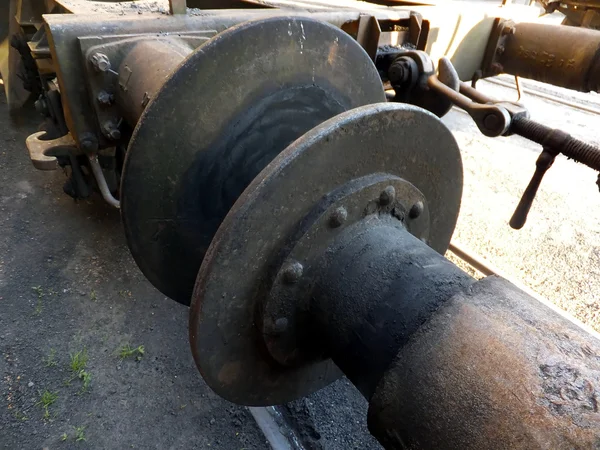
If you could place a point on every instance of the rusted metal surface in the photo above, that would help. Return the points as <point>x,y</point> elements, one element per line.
<point>563,56</point>
<point>494,368</point>
<point>143,72</point>
<point>231,109</point>
<point>67,32</point>
<point>237,270</point>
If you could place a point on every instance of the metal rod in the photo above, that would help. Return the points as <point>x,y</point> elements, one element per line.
<point>104,190</point>
<point>549,97</point>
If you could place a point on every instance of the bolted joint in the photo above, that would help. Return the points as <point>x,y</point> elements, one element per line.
<point>111,130</point>
<point>100,62</point>
<point>105,99</point>
<point>88,142</point>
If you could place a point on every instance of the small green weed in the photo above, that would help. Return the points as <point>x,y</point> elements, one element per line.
<point>86,377</point>
<point>127,351</point>
<point>38,290</point>
<point>39,306</point>
<point>77,365</point>
<point>79,434</point>
<point>50,360</point>
<point>46,400</point>
<point>64,437</point>
<point>93,295</point>
<point>78,361</point>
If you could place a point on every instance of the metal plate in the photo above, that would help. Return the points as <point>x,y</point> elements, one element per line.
<point>224,114</point>
<point>402,140</point>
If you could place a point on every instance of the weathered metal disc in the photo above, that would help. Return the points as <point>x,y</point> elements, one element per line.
<point>398,139</point>
<point>220,118</point>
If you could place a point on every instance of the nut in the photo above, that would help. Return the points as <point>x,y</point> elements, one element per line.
<point>100,62</point>
<point>104,98</point>
<point>111,131</point>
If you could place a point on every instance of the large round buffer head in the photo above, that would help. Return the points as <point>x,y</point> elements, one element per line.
<point>235,277</point>
<point>221,117</point>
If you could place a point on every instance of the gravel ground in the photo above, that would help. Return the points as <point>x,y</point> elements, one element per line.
<point>68,287</point>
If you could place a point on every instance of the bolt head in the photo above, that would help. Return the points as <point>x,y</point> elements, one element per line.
<point>338,217</point>
<point>100,62</point>
<point>111,131</point>
<point>88,142</point>
<point>104,98</point>
<point>491,122</point>
<point>387,196</point>
<point>508,30</point>
<point>293,272</point>
<point>416,210</point>
<point>500,50</point>
<point>497,68</point>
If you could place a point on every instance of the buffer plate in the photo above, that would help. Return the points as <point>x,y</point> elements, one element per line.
<point>220,118</point>
<point>235,277</point>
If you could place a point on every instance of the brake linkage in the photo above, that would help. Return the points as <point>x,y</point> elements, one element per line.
<point>497,118</point>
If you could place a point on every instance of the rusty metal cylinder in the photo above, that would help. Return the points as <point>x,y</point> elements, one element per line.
<point>375,291</point>
<point>563,56</point>
<point>143,72</point>
<point>493,368</point>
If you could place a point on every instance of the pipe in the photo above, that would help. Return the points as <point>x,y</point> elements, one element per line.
<point>563,56</point>
<point>376,290</point>
<point>104,190</point>
<point>446,361</point>
<point>143,72</point>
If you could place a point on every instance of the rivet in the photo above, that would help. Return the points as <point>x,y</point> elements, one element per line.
<point>387,196</point>
<point>293,272</point>
<point>416,210</point>
<point>338,217</point>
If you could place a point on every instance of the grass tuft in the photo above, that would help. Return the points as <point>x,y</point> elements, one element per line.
<point>127,351</point>
<point>46,400</point>
<point>79,434</point>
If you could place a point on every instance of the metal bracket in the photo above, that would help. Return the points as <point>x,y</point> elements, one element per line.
<point>43,152</point>
<point>368,34</point>
<point>501,30</point>
<point>103,84</point>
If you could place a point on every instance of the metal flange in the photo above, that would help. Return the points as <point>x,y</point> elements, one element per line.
<point>245,255</point>
<point>220,118</point>
<point>284,320</point>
